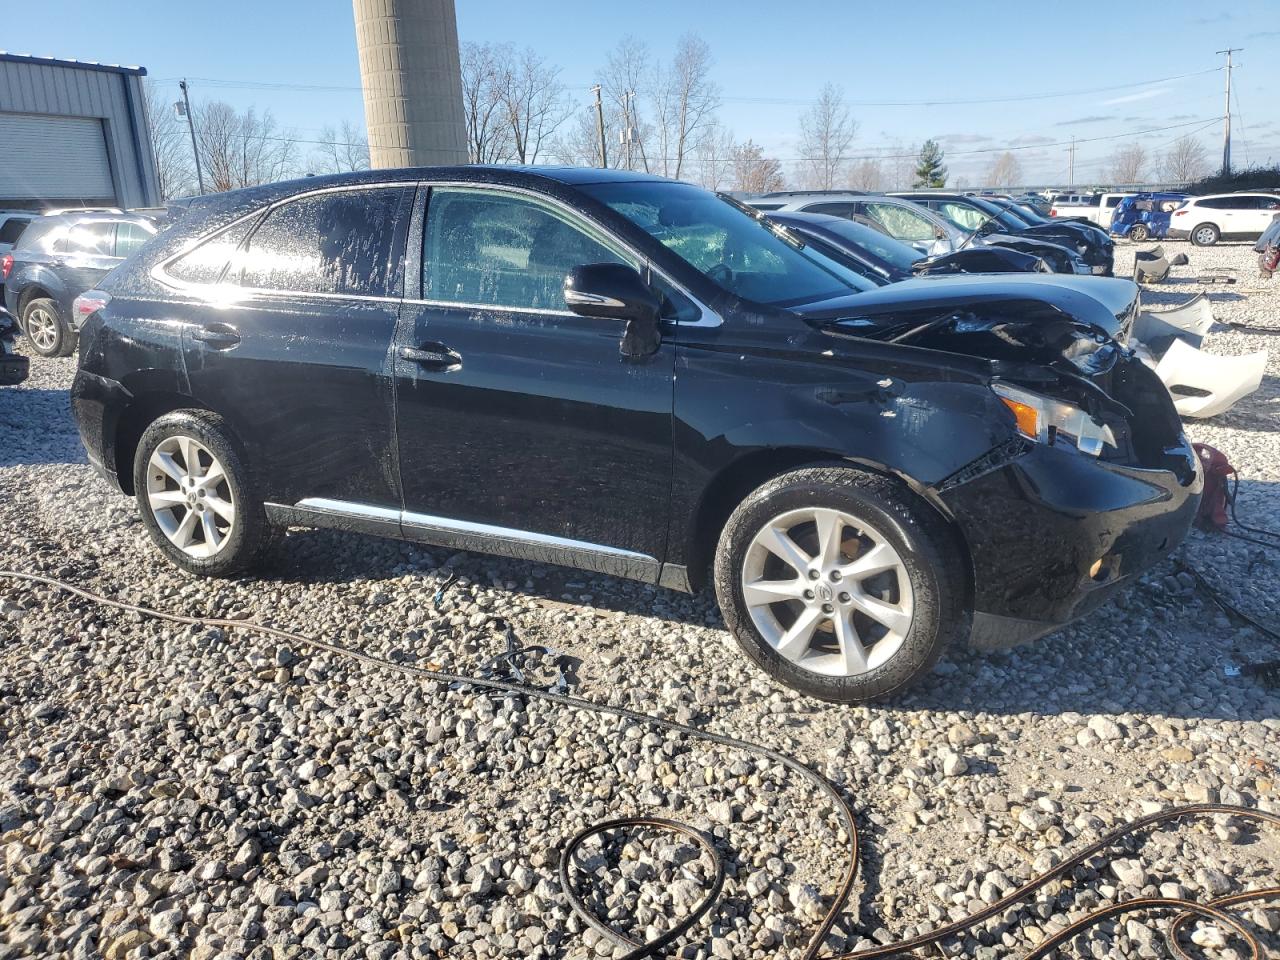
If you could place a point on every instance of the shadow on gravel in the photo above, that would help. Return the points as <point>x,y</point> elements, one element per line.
<point>1258,412</point>
<point>54,439</point>
<point>1156,649</point>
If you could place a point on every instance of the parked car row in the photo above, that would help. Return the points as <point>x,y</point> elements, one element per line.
<point>936,223</point>
<point>864,464</point>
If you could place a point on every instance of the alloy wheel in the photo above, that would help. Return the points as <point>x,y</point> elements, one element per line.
<point>1204,236</point>
<point>190,497</point>
<point>42,328</point>
<point>827,591</point>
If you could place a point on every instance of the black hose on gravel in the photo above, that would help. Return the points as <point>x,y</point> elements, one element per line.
<point>1186,910</point>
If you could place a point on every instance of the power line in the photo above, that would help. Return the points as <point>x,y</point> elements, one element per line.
<point>779,101</point>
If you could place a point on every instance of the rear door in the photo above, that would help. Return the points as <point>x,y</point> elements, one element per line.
<point>521,427</point>
<point>293,346</point>
<point>1257,216</point>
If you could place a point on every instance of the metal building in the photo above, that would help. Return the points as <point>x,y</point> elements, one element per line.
<point>73,134</point>
<point>412,79</point>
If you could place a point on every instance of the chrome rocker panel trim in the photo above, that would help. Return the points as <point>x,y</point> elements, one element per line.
<point>466,535</point>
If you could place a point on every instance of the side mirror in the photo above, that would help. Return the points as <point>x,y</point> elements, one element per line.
<point>614,291</point>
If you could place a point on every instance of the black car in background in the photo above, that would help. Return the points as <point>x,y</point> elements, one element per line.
<point>631,375</point>
<point>881,258</point>
<point>984,215</point>
<point>13,365</point>
<point>56,259</point>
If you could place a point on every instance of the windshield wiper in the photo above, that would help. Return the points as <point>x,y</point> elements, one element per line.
<point>783,233</point>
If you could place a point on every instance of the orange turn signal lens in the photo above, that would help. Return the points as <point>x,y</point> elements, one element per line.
<point>1027,416</point>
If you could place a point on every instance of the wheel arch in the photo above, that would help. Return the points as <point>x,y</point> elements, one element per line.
<point>33,291</point>
<point>731,485</point>
<point>142,411</point>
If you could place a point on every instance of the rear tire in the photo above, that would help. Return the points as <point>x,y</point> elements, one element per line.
<point>1139,233</point>
<point>197,498</point>
<point>46,331</point>
<point>866,606</point>
<point>1205,235</point>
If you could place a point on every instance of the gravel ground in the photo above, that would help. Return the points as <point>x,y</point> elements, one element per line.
<point>177,791</point>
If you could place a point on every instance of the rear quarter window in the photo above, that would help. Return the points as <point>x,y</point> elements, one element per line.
<point>12,229</point>
<point>205,263</point>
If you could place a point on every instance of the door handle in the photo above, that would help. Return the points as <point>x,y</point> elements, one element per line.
<point>219,336</point>
<point>432,356</point>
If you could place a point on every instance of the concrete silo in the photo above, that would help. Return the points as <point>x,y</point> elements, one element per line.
<point>412,81</point>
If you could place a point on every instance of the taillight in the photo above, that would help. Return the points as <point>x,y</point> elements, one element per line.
<point>6,265</point>
<point>87,304</point>
<point>1053,212</point>
<point>1178,213</point>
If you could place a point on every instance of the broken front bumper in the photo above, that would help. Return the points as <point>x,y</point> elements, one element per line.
<point>1054,534</point>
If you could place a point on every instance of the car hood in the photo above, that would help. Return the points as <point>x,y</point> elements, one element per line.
<point>1107,304</point>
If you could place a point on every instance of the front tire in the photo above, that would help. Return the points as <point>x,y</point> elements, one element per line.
<point>839,584</point>
<point>45,329</point>
<point>1205,235</point>
<point>196,496</point>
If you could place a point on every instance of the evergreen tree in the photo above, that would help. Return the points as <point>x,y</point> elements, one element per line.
<point>930,171</point>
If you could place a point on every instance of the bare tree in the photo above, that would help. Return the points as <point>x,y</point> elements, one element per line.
<point>175,167</point>
<point>488,129</point>
<point>753,172</point>
<point>1129,164</point>
<point>826,131</point>
<point>685,101</point>
<point>715,158</point>
<point>1006,170</point>
<point>867,175</point>
<point>241,149</point>
<point>535,103</point>
<point>622,83</point>
<point>578,142</point>
<point>343,151</point>
<point>901,166</point>
<point>1187,159</point>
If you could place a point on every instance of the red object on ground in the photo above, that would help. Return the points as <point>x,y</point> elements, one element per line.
<point>1212,514</point>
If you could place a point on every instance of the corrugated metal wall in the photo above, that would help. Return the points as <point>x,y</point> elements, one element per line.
<point>113,97</point>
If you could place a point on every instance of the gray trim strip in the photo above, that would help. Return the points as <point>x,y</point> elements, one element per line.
<point>467,535</point>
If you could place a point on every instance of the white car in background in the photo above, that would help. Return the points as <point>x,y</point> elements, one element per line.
<point>1223,216</point>
<point>1096,208</point>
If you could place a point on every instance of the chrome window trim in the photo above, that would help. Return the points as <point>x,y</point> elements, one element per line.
<point>707,316</point>
<point>488,307</point>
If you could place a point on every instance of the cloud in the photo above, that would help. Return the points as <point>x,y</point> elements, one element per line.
<point>1030,141</point>
<point>960,138</point>
<point>1264,35</point>
<point>1222,17</point>
<point>1140,95</point>
<point>1083,120</point>
<point>1181,116</point>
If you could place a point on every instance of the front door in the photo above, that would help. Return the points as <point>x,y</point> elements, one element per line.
<point>522,429</point>
<point>293,349</point>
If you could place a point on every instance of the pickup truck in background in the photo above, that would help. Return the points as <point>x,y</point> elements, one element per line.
<point>1098,208</point>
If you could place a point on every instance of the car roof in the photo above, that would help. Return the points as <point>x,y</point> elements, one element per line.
<point>94,217</point>
<point>1265,192</point>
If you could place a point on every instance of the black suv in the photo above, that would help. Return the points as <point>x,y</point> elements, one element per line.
<point>634,376</point>
<point>55,260</point>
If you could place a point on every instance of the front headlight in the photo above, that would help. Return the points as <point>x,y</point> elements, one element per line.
<point>1045,420</point>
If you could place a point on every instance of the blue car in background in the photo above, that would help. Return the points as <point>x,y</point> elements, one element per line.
<point>1145,216</point>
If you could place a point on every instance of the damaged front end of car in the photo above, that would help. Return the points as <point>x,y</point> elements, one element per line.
<point>1093,481</point>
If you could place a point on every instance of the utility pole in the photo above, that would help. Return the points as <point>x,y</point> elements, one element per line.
<point>628,138</point>
<point>1071,165</point>
<point>191,127</point>
<point>1226,113</point>
<point>604,156</point>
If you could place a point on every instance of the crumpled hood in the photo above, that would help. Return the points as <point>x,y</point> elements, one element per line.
<point>1107,304</point>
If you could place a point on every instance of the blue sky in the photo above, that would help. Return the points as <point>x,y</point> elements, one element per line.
<point>768,64</point>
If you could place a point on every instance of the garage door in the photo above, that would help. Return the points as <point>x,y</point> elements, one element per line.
<point>53,158</point>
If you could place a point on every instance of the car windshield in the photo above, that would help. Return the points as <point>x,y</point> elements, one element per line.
<point>893,252</point>
<point>733,249</point>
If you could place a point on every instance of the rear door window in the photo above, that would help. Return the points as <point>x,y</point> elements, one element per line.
<point>900,222</point>
<point>93,239</point>
<point>328,243</point>
<point>832,209</point>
